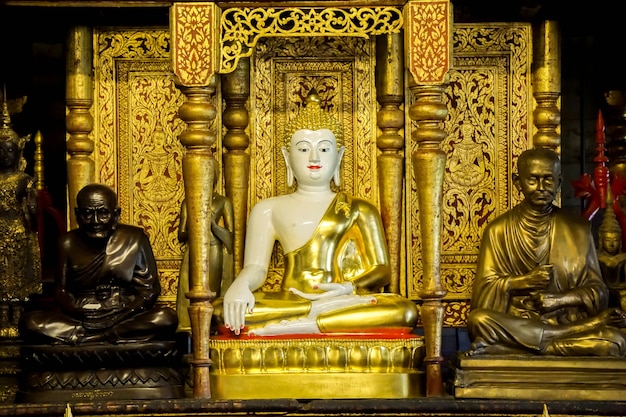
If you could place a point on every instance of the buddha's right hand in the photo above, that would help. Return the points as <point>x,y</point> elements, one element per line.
<point>238,300</point>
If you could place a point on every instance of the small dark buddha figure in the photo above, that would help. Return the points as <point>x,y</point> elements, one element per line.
<point>611,257</point>
<point>107,281</point>
<point>20,263</point>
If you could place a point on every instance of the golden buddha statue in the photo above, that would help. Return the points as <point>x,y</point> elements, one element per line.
<point>20,267</point>
<point>612,259</point>
<point>538,286</point>
<point>336,259</point>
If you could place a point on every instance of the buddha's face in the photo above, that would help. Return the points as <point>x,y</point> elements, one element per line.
<point>539,180</point>
<point>611,242</point>
<point>8,154</point>
<point>97,214</point>
<point>313,156</point>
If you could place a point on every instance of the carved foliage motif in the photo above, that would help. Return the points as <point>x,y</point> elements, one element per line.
<point>243,27</point>
<point>284,71</point>
<point>194,29</point>
<point>489,102</point>
<point>136,129</point>
<point>428,47</point>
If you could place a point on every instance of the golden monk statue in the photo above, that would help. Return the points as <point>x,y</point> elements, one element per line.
<point>611,257</point>
<point>106,283</point>
<point>336,259</point>
<point>221,266</point>
<point>538,286</point>
<point>20,262</point>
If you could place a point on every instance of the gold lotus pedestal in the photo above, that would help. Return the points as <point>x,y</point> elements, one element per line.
<point>313,367</point>
<point>529,377</point>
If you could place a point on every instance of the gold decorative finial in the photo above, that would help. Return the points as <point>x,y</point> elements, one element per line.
<point>313,117</point>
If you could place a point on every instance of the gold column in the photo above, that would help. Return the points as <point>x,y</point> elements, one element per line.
<point>547,84</point>
<point>236,91</point>
<point>199,168</point>
<point>195,36</point>
<point>78,121</point>
<point>390,119</point>
<point>428,40</point>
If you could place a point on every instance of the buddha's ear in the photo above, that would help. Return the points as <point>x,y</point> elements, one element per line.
<point>288,166</point>
<point>337,176</point>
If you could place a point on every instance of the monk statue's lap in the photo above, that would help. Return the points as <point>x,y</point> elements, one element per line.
<point>106,282</point>
<point>336,258</point>
<point>538,286</point>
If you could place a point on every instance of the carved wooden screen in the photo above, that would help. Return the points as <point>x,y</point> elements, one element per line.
<point>489,123</point>
<point>136,128</point>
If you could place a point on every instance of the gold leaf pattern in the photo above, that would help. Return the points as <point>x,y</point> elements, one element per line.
<point>194,31</point>
<point>136,129</point>
<point>428,47</point>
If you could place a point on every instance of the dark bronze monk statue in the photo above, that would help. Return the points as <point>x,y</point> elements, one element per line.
<point>107,281</point>
<point>538,286</point>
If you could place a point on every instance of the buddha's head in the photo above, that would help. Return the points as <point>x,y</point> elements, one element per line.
<point>11,144</point>
<point>610,233</point>
<point>313,152</point>
<point>538,176</point>
<point>97,213</point>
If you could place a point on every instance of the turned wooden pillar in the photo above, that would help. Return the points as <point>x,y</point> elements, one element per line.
<point>547,84</point>
<point>199,169</point>
<point>78,121</point>
<point>194,29</point>
<point>235,92</point>
<point>390,120</point>
<point>428,45</point>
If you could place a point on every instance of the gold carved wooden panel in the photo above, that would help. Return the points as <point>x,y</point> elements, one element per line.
<point>490,104</point>
<point>284,70</point>
<point>137,151</point>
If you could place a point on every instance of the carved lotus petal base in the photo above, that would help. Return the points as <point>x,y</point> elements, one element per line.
<point>317,367</point>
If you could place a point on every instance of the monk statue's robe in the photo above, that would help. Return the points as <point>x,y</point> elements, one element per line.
<point>514,244</point>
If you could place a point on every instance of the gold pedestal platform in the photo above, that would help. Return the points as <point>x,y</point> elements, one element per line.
<point>330,367</point>
<point>528,377</point>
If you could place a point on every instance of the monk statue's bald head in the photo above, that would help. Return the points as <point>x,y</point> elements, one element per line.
<point>97,213</point>
<point>538,177</point>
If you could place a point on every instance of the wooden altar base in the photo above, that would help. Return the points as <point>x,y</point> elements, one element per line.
<point>530,377</point>
<point>445,406</point>
<point>329,367</point>
<point>99,371</point>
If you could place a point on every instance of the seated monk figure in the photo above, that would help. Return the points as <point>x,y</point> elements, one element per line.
<point>107,281</point>
<point>538,286</point>
<point>336,257</point>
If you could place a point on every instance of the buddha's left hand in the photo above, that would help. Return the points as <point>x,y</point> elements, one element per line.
<point>330,290</point>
